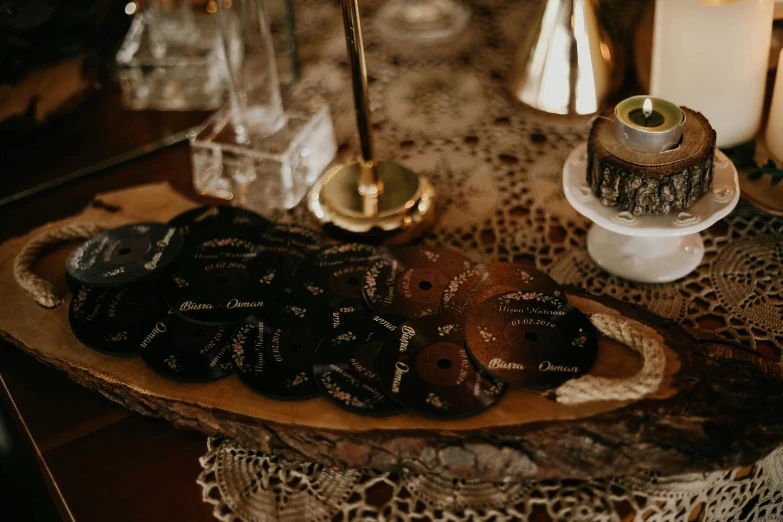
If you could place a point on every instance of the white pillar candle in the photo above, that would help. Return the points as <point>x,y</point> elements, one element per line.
<point>711,56</point>
<point>774,134</point>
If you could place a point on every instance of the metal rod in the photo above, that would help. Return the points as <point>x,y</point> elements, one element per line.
<point>369,185</point>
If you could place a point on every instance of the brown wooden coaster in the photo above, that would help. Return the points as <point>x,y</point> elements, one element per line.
<point>651,183</point>
<point>477,283</point>
<point>522,340</point>
<point>424,366</point>
<point>408,282</point>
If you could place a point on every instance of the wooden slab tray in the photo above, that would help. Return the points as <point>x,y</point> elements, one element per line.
<point>719,405</point>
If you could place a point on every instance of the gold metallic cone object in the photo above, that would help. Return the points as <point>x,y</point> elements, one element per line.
<point>369,200</point>
<point>566,64</point>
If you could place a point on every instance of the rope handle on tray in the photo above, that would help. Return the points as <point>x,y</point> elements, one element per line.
<point>40,289</point>
<point>590,388</point>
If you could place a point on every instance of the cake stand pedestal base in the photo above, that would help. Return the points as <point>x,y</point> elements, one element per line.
<point>645,259</point>
<point>649,249</point>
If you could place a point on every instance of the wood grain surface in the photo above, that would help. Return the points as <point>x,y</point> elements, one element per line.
<point>719,405</point>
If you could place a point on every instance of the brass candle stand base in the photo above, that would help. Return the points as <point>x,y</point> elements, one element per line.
<point>404,209</point>
<point>370,200</point>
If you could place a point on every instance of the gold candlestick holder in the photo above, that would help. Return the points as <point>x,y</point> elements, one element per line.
<point>380,201</point>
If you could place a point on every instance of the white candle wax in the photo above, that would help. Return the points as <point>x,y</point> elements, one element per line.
<point>774,134</point>
<point>711,56</point>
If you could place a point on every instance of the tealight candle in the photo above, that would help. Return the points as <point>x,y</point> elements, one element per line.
<point>647,124</point>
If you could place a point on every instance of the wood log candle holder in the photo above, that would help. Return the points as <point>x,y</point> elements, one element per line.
<point>651,183</point>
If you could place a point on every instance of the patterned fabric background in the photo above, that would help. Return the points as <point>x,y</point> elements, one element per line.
<point>496,165</point>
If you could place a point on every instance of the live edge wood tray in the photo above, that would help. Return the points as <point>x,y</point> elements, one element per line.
<point>718,406</point>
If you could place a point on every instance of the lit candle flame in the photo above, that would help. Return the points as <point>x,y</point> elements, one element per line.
<point>647,107</point>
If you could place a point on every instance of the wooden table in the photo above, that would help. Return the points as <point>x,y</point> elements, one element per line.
<point>100,461</point>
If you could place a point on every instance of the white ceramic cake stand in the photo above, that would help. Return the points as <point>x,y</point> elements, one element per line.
<point>649,249</point>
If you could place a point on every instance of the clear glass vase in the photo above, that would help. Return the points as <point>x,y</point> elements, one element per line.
<point>172,59</point>
<point>260,150</point>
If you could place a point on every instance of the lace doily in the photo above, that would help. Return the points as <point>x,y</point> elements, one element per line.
<point>497,166</point>
<point>254,487</point>
<point>445,110</point>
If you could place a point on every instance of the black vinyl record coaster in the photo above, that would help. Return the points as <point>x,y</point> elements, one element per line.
<point>114,320</point>
<point>125,255</point>
<point>339,315</point>
<point>346,367</point>
<point>185,351</point>
<point>408,282</point>
<point>289,245</point>
<point>517,341</point>
<point>335,274</point>
<point>73,284</point>
<point>478,283</point>
<point>296,237</point>
<point>204,223</point>
<point>217,292</point>
<point>424,366</point>
<point>273,353</point>
<point>284,259</point>
<point>226,246</point>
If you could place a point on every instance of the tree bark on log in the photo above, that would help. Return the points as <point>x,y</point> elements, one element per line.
<point>647,183</point>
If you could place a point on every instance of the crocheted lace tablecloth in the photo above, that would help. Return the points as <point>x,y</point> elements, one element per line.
<point>445,110</point>
<point>249,486</point>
